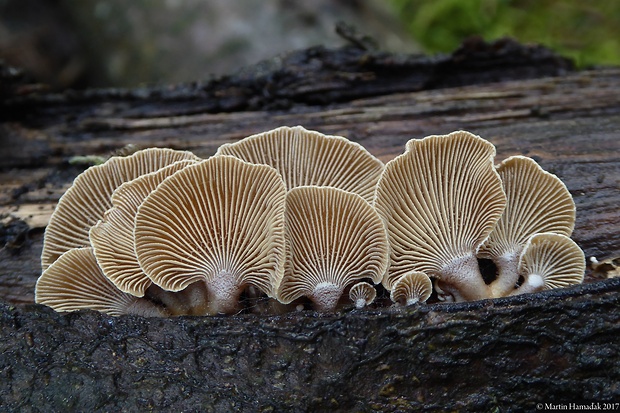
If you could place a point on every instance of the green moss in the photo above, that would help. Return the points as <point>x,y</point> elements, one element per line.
<point>585,31</point>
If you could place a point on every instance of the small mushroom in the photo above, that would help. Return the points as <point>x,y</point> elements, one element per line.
<point>218,222</point>
<point>113,237</point>
<point>75,282</point>
<point>536,201</point>
<point>306,157</point>
<point>412,288</point>
<point>335,238</point>
<point>362,294</point>
<point>440,200</point>
<point>609,268</point>
<point>550,261</point>
<point>88,198</point>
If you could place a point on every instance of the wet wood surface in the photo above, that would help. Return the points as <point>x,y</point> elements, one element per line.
<point>569,124</point>
<point>568,121</point>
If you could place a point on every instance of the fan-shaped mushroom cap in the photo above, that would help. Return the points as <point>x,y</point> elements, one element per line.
<point>362,294</point>
<point>219,221</point>
<point>306,157</point>
<point>537,201</point>
<point>412,288</point>
<point>335,238</point>
<point>88,198</point>
<point>75,282</point>
<point>550,261</point>
<point>113,237</point>
<point>440,200</point>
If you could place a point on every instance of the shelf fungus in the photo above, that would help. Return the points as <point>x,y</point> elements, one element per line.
<point>306,157</point>
<point>335,238</point>
<point>440,200</point>
<point>218,223</point>
<point>537,202</point>
<point>412,288</point>
<point>75,282</point>
<point>85,202</point>
<point>362,294</point>
<point>550,261</point>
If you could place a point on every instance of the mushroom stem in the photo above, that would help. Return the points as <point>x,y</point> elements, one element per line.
<point>533,283</point>
<point>507,274</point>
<point>145,308</point>
<point>443,294</point>
<point>412,301</point>
<point>173,302</point>
<point>325,296</point>
<point>360,303</point>
<point>462,278</point>
<point>197,297</point>
<point>224,291</point>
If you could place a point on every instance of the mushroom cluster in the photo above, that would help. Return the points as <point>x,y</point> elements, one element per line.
<point>447,207</point>
<point>291,216</point>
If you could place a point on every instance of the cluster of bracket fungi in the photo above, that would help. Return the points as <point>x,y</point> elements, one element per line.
<point>296,215</point>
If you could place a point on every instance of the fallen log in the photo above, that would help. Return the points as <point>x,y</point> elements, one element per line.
<point>508,354</point>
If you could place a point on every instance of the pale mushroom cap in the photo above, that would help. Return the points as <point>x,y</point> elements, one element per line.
<point>413,287</point>
<point>75,282</point>
<point>555,258</point>
<point>362,294</point>
<point>306,157</point>
<point>88,198</point>
<point>440,200</point>
<point>334,238</point>
<point>536,201</point>
<point>219,215</point>
<point>113,237</point>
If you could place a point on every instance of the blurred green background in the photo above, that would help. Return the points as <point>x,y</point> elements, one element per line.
<point>587,31</point>
<point>101,43</point>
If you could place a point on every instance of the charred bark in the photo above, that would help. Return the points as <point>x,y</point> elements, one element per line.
<point>501,355</point>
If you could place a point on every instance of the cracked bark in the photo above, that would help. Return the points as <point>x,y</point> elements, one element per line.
<point>506,354</point>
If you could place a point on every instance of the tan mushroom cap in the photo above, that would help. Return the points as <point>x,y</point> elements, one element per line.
<point>113,237</point>
<point>440,200</point>
<point>412,288</point>
<point>75,282</point>
<point>362,294</point>
<point>537,201</point>
<point>335,238</point>
<point>550,261</point>
<point>88,198</point>
<point>306,157</point>
<point>220,222</point>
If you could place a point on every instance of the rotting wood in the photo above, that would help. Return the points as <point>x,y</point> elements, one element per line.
<point>503,355</point>
<point>507,354</point>
<point>569,124</point>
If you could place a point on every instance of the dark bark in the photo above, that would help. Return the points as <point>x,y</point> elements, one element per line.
<point>315,76</point>
<point>506,354</point>
<point>502,355</point>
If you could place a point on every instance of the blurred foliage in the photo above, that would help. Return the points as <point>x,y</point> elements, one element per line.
<point>587,31</point>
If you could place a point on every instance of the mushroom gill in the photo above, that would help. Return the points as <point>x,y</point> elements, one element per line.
<point>88,198</point>
<point>440,200</point>
<point>113,236</point>
<point>218,222</point>
<point>536,202</point>
<point>335,238</point>
<point>412,288</point>
<point>362,294</point>
<point>550,261</point>
<point>75,282</point>
<point>306,157</point>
